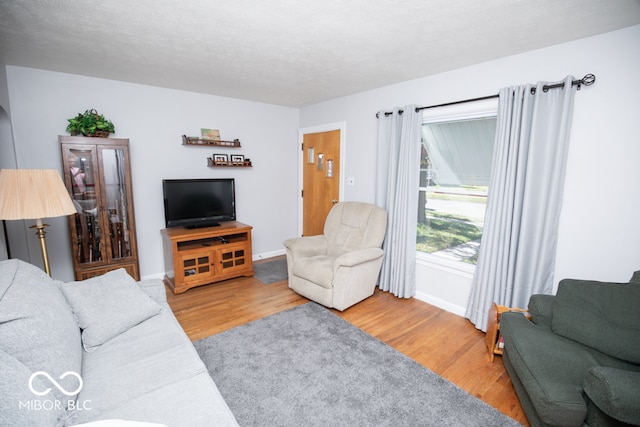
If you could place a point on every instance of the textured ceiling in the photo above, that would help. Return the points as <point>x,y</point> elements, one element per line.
<point>288,52</point>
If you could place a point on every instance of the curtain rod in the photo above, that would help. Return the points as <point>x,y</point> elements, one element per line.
<point>587,80</point>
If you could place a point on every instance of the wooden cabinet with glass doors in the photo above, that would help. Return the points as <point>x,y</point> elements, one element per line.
<point>97,174</point>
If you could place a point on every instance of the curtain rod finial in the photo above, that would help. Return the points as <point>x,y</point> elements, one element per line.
<point>589,79</point>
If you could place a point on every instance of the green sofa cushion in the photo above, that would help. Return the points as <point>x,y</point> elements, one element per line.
<point>600,315</point>
<point>540,308</point>
<point>616,392</point>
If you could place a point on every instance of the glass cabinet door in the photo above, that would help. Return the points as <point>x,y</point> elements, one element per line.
<point>113,161</point>
<point>97,173</point>
<point>82,169</point>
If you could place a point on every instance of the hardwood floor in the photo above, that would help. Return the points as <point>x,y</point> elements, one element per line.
<point>441,341</point>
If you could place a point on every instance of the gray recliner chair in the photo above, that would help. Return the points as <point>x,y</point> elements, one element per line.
<point>340,267</point>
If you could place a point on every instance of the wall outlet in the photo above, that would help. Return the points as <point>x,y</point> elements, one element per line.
<point>351,181</point>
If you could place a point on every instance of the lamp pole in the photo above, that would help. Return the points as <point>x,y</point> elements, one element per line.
<point>43,243</point>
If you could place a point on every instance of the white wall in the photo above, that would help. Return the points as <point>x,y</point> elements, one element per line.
<point>154,120</point>
<point>599,227</point>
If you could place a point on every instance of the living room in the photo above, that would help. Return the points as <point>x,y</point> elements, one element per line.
<point>598,224</point>
<point>598,221</point>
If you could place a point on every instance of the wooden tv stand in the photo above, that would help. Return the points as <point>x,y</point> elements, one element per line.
<point>199,256</point>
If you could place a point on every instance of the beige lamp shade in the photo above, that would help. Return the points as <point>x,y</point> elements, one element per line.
<point>33,194</point>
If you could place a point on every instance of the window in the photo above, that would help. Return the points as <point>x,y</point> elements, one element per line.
<point>455,169</point>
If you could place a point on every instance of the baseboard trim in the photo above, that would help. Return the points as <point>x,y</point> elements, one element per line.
<point>445,305</point>
<point>270,254</point>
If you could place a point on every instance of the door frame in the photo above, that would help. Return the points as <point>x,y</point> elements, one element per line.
<point>342,127</point>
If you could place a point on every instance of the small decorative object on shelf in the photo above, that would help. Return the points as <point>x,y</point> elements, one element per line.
<point>195,140</point>
<point>90,123</point>
<point>210,134</point>
<point>237,159</point>
<point>222,160</point>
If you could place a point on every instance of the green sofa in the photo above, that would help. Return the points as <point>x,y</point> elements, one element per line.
<point>577,361</point>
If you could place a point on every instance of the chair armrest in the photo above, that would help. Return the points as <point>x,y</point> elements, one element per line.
<point>616,392</point>
<point>155,289</point>
<point>351,259</point>
<point>306,246</point>
<point>540,308</point>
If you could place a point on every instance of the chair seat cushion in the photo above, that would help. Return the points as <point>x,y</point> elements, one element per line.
<point>317,269</point>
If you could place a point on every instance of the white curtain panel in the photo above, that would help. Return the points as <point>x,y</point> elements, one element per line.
<point>397,183</point>
<point>518,249</point>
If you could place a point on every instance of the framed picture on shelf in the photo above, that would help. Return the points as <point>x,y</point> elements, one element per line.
<point>237,159</point>
<point>210,134</point>
<point>220,158</point>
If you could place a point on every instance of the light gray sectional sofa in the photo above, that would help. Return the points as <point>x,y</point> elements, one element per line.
<point>107,348</point>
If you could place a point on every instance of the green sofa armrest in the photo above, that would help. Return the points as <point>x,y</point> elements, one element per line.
<point>540,307</point>
<point>616,392</point>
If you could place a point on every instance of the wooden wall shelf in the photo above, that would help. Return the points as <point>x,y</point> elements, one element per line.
<point>228,164</point>
<point>194,140</point>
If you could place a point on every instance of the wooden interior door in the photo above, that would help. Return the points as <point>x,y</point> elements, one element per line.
<point>321,179</point>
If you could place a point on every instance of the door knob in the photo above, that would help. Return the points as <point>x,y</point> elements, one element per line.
<point>334,201</point>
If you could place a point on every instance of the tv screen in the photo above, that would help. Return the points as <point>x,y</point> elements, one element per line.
<point>198,202</point>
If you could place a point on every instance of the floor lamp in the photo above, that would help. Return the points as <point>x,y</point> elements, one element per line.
<point>34,194</point>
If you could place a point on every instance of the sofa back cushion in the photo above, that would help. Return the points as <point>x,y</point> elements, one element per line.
<point>108,305</point>
<point>21,407</point>
<point>37,327</point>
<point>604,316</point>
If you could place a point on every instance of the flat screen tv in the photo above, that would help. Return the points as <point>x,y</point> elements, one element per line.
<point>195,203</point>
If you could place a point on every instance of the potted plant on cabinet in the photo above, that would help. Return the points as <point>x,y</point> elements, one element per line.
<point>90,123</point>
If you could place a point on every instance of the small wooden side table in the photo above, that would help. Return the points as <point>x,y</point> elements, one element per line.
<point>493,339</point>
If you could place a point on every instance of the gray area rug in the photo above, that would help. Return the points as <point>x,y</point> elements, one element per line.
<point>308,367</point>
<point>271,271</point>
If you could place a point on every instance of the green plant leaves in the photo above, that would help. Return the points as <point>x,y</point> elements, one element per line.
<point>88,123</point>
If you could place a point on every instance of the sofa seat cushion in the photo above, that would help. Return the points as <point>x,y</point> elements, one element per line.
<point>37,326</point>
<point>603,316</point>
<point>551,368</point>
<point>108,305</point>
<point>190,402</point>
<point>317,269</point>
<point>151,373</point>
<point>119,423</point>
<point>616,392</point>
